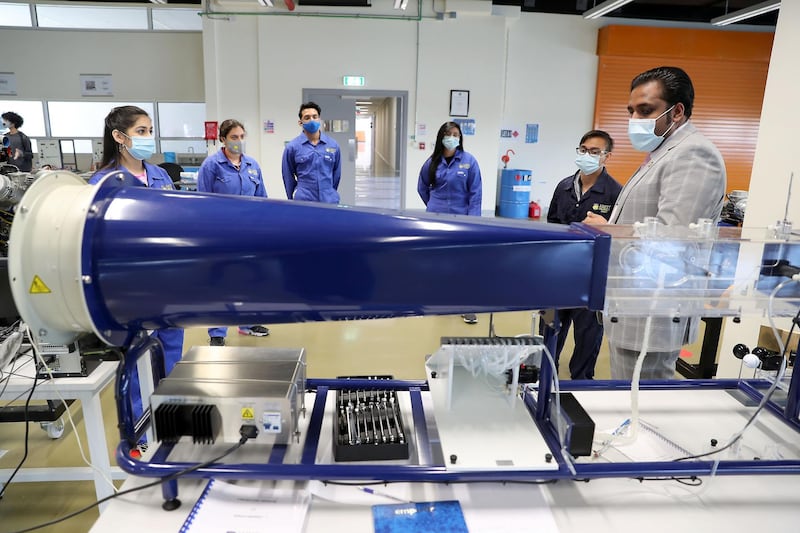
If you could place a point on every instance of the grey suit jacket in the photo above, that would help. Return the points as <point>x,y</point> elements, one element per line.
<point>684,180</point>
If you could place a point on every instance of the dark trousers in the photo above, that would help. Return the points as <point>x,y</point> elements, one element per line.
<point>588,332</point>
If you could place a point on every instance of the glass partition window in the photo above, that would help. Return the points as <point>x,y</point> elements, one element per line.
<point>184,147</point>
<point>80,146</point>
<point>84,119</point>
<point>177,19</point>
<point>107,18</point>
<point>32,113</point>
<point>181,120</point>
<point>18,15</point>
<point>180,125</point>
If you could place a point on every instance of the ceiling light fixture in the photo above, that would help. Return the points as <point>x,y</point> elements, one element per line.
<point>158,1</point>
<point>266,3</point>
<point>746,13</point>
<point>401,4</point>
<point>606,7</point>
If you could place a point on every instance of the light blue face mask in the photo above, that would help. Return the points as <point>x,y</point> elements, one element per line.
<point>642,132</point>
<point>141,147</point>
<point>588,163</point>
<point>312,126</point>
<point>450,142</point>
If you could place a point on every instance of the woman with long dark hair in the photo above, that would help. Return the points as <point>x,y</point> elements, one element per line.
<point>127,144</point>
<point>450,180</point>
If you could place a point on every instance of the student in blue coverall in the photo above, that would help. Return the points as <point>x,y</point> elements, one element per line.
<point>312,161</point>
<point>593,189</point>
<point>450,180</point>
<point>127,143</point>
<point>230,171</point>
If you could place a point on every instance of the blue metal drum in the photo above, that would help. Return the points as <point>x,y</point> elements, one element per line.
<point>515,193</point>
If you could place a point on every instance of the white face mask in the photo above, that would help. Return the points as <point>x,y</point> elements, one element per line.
<point>642,132</point>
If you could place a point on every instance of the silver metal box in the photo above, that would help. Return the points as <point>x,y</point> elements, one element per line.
<point>245,386</point>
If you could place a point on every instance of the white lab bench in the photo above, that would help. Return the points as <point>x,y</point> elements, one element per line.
<point>723,503</point>
<point>87,390</point>
<point>732,504</point>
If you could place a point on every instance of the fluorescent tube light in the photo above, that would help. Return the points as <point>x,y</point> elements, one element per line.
<point>266,3</point>
<point>746,13</point>
<point>158,1</point>
<point>606,7</point>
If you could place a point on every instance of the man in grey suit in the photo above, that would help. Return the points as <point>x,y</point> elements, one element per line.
<point>681,180</point>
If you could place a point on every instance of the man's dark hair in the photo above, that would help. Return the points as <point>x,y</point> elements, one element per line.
<point>13,118</point>
<point>603,135</point>
<point>308,105</point>
<point>676,86</point>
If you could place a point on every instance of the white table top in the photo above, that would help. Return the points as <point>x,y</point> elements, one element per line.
<point>722,503</point>
<point>22,379</point>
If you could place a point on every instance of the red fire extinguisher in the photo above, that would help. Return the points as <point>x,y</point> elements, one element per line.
<point>534,211</point>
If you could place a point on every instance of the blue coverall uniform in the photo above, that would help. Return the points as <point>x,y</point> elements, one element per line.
<point>458,187</point>
<point>218,175</point>
<point>570,205</point>
<point>312,172</point>
<point>171,338</point>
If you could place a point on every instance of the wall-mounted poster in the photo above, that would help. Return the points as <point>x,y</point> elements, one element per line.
<point>96,85</point>
<point>8,83</point>
<point>459,103</point>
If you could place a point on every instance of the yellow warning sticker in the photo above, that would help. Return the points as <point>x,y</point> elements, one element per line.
<point>38,286</point>
<point>248,413</point>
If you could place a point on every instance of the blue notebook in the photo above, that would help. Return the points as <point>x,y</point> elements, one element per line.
<point>441,517</point>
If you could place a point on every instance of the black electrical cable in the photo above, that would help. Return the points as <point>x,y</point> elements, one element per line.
<point>795,320</point>
<point>160,481</point>
<point>691,481</point>
<point>27,434</point>
<point>5,376</point>
<point>448,482</point>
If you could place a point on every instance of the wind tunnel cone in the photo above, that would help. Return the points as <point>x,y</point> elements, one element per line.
<point>117,258</point>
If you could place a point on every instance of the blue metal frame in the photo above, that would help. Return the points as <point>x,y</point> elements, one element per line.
<point>428,469</point>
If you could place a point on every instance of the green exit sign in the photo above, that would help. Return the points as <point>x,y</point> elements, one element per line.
<point>353,81</point>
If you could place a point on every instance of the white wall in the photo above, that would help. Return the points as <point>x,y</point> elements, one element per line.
<point>162,66</point>
<point>775,158</point>
<point>550,81</point>
<point>518,69</point>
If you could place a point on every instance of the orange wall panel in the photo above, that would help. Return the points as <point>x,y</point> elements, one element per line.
<point>684,43</point>
<point>729,92</point>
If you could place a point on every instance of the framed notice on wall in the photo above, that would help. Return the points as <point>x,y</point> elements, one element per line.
<point>8,83</point>
<point>459,103</point>
<point>96,85</point>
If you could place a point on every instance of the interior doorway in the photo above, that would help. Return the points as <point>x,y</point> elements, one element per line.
<point>370,127</point>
